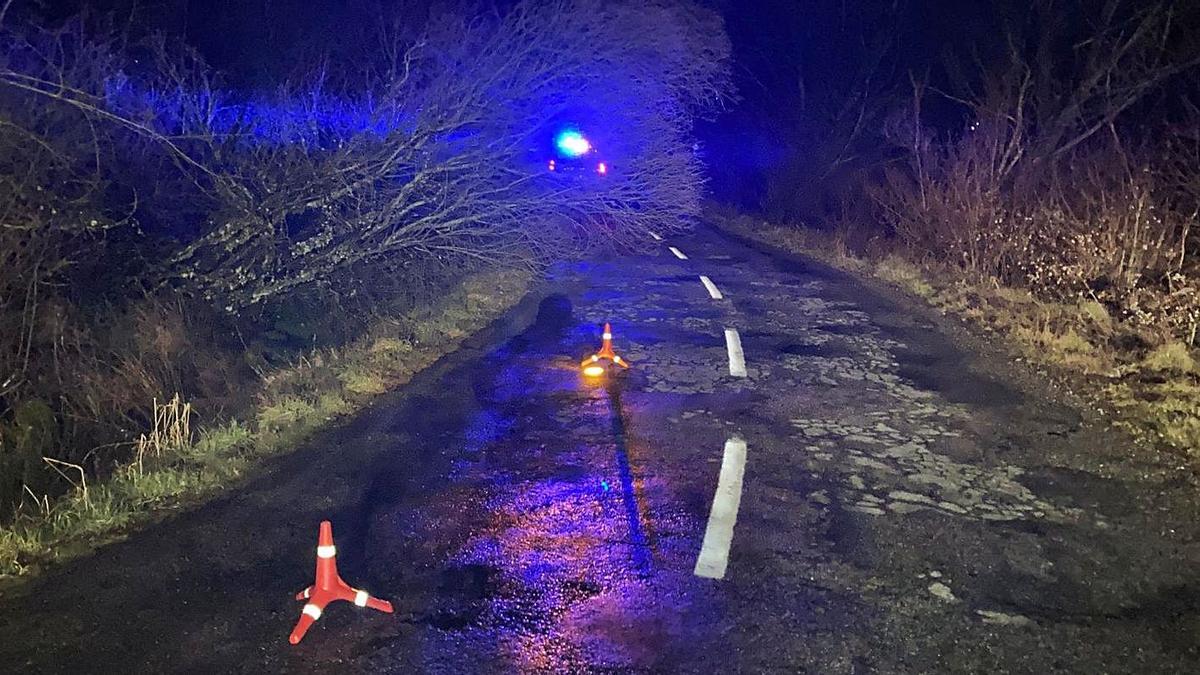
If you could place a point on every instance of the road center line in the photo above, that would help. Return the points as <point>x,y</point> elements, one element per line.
<point>655,235</point>
<point>712,288</point>
<point>737,358</point>
<point>678,254</point>
<point>718,536</point>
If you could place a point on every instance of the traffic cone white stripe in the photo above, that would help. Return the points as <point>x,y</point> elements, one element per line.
<point>360,598</point>
<point>312,610</point>
<point>326,551</point>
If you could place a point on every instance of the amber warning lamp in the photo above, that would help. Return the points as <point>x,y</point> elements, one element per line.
<point>595,365</point>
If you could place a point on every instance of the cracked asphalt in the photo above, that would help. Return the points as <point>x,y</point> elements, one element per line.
<point>908,505</point>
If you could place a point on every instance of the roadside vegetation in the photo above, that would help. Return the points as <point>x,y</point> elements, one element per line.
<point>198,268</point>
<point>1040,178</point>
<point>182,457</point>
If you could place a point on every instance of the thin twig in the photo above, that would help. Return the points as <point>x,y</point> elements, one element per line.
<point>81,485</point>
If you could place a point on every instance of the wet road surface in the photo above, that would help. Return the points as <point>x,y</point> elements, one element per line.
<point>902,507</point>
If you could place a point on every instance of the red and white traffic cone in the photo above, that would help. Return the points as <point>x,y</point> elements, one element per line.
<point>329,587</point>
<point>591,365</point>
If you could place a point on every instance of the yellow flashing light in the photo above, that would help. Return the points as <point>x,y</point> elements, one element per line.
<point>593,371</point>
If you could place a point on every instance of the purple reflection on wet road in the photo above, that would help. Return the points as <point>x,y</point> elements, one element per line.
<point>561,567</point>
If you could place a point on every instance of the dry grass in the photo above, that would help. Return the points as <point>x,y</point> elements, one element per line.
<point>172,430</point>
<point>897,270</point>
<point>1172,357</point>
<point>1167,411</point>
<point>1065,348</point>
<point>1097,315</point>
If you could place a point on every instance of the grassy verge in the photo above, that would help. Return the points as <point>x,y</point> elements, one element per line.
<point>174,467</point>
<point>1145,383</point>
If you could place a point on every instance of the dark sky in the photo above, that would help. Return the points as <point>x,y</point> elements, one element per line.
<point>797,61</point>
<point>254,42</point>
<point>258,39</point>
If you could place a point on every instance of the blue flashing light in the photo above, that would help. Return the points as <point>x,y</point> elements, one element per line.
<point>571,143</point>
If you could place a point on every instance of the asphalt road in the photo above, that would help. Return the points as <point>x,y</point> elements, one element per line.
<point>904,505</point>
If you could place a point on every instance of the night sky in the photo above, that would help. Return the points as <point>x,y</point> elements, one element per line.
<point>800,66</point>
<point>255,41</point>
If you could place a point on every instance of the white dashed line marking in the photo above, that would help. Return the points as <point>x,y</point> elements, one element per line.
<point>737,358</point>
<point>712,288</point>
<point>678,254</point>
<point>718,536</point>
<point>655,235</point>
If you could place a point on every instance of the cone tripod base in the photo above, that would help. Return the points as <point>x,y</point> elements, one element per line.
<point>593,366</point>
<point>329,587</point>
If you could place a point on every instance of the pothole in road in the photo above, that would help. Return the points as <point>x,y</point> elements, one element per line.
<point>461,596</point>
<point>475,595</point>
<point>947,377</point>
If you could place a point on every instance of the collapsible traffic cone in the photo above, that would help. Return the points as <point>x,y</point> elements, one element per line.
<point>591,365</point>
<point>329,587</point>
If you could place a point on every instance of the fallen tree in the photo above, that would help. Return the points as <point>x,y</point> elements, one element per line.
<point>429,155</point>
<point>150,211</point>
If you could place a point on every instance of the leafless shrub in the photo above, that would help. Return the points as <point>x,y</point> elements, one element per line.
<point>53,185</point>
<point>1049,186</point>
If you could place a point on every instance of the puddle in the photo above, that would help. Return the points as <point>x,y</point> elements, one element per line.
<point>471,582</point>
<point>848,539</point>
<point>461,595</point>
